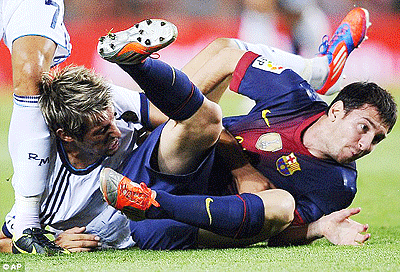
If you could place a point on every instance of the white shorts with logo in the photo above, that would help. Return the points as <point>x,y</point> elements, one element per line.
<point>44,18</point>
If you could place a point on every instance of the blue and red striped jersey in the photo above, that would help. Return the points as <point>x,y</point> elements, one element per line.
<point>271,135</point>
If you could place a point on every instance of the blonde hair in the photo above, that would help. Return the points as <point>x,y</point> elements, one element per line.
<point>73,98</point>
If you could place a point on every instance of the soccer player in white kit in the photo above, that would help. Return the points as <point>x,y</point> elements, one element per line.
<point>112,120</point>
<point>109,122</point>
<point>35,34</point>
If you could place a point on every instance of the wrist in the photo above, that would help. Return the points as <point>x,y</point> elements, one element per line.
<point>243,171</point>
<point>315,230</point>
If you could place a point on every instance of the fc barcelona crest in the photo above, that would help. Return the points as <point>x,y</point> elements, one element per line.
<point>287,165</point>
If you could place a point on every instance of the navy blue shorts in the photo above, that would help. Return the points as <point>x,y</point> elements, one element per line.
<point>160,234</point>
<point>165,233</point>
<point>140,168</point>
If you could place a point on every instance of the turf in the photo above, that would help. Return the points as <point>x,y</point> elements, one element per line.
<point>379,194</point>
<point>381,254</point>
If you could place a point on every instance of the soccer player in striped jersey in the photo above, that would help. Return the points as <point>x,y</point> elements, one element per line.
<point>87,117</point>
<point>287,136</point>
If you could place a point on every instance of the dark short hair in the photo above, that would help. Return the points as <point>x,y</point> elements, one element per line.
<point>359,94</point>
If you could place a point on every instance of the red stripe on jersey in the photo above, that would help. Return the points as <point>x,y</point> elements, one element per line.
<point>297,221</point>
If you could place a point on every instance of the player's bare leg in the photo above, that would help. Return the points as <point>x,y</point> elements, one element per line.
<point>31,56</point>
<point>323,72</point>
<point>195,123</point>
<point>196,63</point>
<point>201,61</point>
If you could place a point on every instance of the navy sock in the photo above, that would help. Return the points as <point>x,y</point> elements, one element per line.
<point>236,216</point>
<point>169,89</point>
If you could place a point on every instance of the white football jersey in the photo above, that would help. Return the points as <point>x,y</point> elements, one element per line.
<point>72,197</point>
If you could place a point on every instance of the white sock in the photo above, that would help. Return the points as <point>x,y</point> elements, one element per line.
<point>26,214</point>
<point>30,144</point>
<point>320,71</point>
<point>299,64</point>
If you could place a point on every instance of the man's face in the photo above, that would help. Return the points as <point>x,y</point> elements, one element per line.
<point>355,134</point>
<point>102,138</point>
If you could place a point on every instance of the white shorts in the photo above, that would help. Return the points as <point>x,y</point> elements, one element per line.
<point>44,18</point>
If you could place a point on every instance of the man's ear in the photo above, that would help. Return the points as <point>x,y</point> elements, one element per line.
<point>336,111</point>
<point>63,135</point>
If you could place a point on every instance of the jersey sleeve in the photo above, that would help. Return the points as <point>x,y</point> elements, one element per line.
<point>319,203</point>
<point>307,211</point>
<point>271,86</point>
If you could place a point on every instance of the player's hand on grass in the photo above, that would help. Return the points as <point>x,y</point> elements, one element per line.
<point>339,229</point>
<point>75,240</point>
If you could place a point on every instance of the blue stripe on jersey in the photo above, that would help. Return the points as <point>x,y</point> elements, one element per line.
<point>53,195</point>
<point>56,13</point>
<point>60,200</point>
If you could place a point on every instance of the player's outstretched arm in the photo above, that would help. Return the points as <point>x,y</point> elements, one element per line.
<point>337,227</point>
<point>75,240</point>
<point>246,177</point>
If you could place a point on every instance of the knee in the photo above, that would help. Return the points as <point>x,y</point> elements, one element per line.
<point>279,206</point>
<point>212,120</point>
<point>206,124</point>
<point>27,74</point>
<point>285,208</point>
<point>212,113</point>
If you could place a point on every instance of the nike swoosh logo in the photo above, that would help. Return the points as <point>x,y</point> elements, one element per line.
<point>208,202</point>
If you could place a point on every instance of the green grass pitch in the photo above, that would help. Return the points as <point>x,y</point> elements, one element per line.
<point>378,195</point>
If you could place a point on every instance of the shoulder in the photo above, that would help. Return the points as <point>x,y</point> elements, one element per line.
<point>123,95</point>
